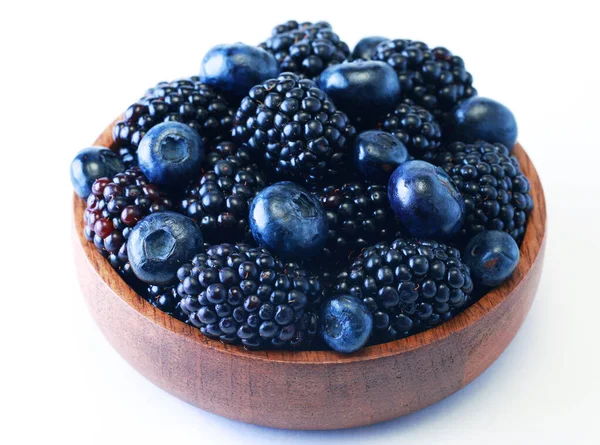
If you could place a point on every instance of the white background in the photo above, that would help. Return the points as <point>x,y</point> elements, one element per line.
<point>68,69</point>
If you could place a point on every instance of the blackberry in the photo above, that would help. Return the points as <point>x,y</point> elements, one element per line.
<point>408,286</point>
<point>219,201</point>
<point>417,129</point>
<point>358,214</point>
<point>294,129</point>
<point>113,209</point>
<point>495,190</point>
<point>166,299</point>
<point>433,78</point>
<point>242,294</point>
<point>306,49</point>
<point>187,100</point>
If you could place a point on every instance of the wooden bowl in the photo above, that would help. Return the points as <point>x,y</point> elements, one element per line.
<point>312,390</point>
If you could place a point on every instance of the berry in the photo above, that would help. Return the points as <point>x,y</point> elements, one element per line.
<point>187,100</point>
<point>242,294</point>
<point>366,91</point>
<point>492,257</point>
<point>408,286</point>
<point>171,153</point>
<point>346,324</point>
<point>377,154</point>
<point>358,215</point>
<point>294,129</point>
<point>114,207</point>
<point>160,243</point>
<point>417,129</point>
<point>482,119</point>
<point>219,201</point>
<point>288,221</point>
<point>306,48</point>
<point>90,164</point>
<point>166,299</point>
<point>429,77</point>
<point>426,201</point>
<point>365,48</point>
<point>495,191</point>
<point>234,69</point>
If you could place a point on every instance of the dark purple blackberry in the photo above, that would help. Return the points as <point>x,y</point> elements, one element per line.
<point>113,209</point>
<point>294,129</point>
<point>495,190</point>
<point>306,48</point>
<point>408,286</point>
<point>242,294</point>
<point>187,100</point>
<point>358,215</point>
<point>166,299</point>
<point>417,129</point>
<point>219,201</point>
<point>429,77</point>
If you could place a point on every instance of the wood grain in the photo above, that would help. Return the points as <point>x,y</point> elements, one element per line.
<point>316,390</point>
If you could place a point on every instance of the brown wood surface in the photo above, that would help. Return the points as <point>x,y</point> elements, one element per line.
<point>311,389</point>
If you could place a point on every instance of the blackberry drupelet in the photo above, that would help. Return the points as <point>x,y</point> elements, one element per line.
<point>219,201</point>
<point>408,286</point>
<point>495,191</point>
<point>358,214</point>
<point>294,129</point>
<point>433,78</point>
<point>187,100</point>
<point>114,207</point>
<point>242,294</point>
<point>417,129</point>
<point>306,48</point>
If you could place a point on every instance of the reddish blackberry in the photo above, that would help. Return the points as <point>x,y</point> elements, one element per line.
<point>408,286</point>
<point>358,215</point>
<point>429,77</point>
<point>306,48</point>
<point>294,129</point>
<point>242,294</point>
<point>417,129</point>
<point>495,190</point>
<point>113,209</point>
<point>219,201</point>
<point>187,100</point>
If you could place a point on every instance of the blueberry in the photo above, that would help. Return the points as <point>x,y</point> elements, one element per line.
<point>483,119</point>
<point>346,323</point>
<point>377,154</point>
<point>426,200</point>
<point>365,48</point>
<point>93,163</point>
<point>234,69</point>
<point>288,221</point>
<point>492,256</point>
<point>171,153</point>
<point>160,243</point>
<point>363,90</point>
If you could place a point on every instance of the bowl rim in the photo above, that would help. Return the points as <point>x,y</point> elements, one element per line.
<point>530,250</point>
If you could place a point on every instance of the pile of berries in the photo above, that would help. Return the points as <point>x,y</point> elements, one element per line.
<point>299,195</point>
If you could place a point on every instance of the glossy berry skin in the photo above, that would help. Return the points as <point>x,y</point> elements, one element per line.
<point>363,90</point>
<point>492,257</point>
<point>93,163</point>
<point>171,153</point>
<point>377,154</point>
<point>365,48</point>
<point>237,293</point>
<point>160,243</point>
<point>480,118</point>
<point>426,200</point>
<point>346,323</point>
<point>235,68</point>
<point>408,285</point>
<point>288,221</point>
<point>496,192</point>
